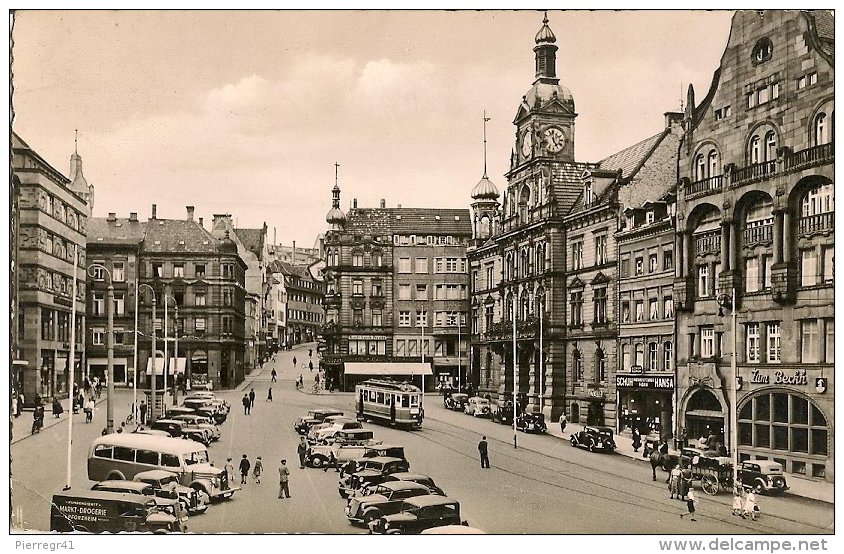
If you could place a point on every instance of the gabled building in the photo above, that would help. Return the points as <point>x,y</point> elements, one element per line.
<point>755,220</point>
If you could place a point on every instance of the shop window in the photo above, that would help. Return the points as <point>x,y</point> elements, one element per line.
<point>819,471</point>
<point>798,467</point>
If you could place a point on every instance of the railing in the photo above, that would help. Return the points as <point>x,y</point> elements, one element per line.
<point>816,223</point>
<point>751,172</point>
<point>809,156</point>
<point>758,234</point>
<point>705,186</point>
<point>709,241</point>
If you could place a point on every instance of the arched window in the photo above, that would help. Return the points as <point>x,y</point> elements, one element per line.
<point>524,309</point>
<point>668,355</point>
<point>600,366</point>
<point>712,161</point>
<point>822,134</point>
<point>509,273</point>
<point>540,258</point>
<point>819,200</point>
<point>525,269</point>
<point>577,364</point>
<point>485,228</point>
<point>524,200</point>
<point>755,149</point>
<point>700,167</point>
<point>376,258</point>
<point>770,146</point>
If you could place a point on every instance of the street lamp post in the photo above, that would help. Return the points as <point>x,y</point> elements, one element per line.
<point>515,365</point>
<point>109,346</point>
<point>167,339</point>
<point>152,389</point>
<point>176,333</point>
<point>72,364</point>
<point>459,351</point>
<point>729,301</point>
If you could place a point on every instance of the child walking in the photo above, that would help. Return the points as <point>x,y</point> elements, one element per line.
<point>691,501</point>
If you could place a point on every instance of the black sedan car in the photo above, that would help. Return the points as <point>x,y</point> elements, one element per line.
<point>531,423</point>
<point>594,438</point>
<point>417,514</point>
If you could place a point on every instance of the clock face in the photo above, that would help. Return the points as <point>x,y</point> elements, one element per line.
<point>555,139</point>
<point>527,144</point>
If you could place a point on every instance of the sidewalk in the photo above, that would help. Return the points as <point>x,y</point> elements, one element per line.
<point>799,485</point>
<point>23,423</point>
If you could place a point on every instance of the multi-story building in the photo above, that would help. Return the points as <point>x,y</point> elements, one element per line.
<point>115,244</point>
<point>52,222</point>
<point>304,310</point>
<point>276,306</point>
<point>205,277</point>
<point>396,287</point>
<point>645,375</point>
<point>755,215</point>
<point>295,255</point>
<point>252,249</point>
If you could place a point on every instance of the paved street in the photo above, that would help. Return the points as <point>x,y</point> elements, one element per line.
<point>545,485</point>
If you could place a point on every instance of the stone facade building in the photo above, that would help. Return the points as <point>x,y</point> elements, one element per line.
<point>52,220</point>
<point>304,311</point>
<point>755,213</point>
<point>396,287</point>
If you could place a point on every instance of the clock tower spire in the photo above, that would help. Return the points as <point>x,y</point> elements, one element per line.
<point>546,53</point>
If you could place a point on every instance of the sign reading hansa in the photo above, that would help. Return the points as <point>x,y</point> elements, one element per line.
<point>644,382</point>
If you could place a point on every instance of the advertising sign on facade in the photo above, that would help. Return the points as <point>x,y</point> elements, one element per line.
<point>644,382</point>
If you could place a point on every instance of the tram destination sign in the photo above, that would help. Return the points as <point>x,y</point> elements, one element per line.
<point>644,382</point>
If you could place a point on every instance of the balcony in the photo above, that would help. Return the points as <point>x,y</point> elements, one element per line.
<point>814,224</point>
<point>759,234</point>
<point>709,241</point>
<point>816,155</point>
<point>755,172</point>
<point>704,187</point>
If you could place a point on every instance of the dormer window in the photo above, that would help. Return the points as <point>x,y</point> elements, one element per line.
<point>649,217</point>
<point>587,193</point>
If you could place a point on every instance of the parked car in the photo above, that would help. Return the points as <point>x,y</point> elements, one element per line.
<point>594,437</point>
<point>172,411</point>
<point>762,476</point>
<point>478,406</point>
<point>206,407</point>
<point>374,472</point>
<point>453,530</point>
<point>417,514</point>
<point>314,417</point>
<point>456,401</point>
<point>178,428</point>
<point>145,431</point>
<point>504,414</point>
<point>531,423</point>
<point>201,422</point>
<point>166,484</point>
<point>348,463</point>
<point>170,506</point>
<point>320,434</point>
<point>416,478</point>
<point>382,499</point>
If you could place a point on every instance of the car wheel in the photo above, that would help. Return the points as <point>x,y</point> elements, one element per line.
<point>590,446</point>
<point>573,441</point>
<point>370,516</point>
<point>758,487</point>
<point>318,461</point>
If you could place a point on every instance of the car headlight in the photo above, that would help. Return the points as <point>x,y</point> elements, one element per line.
<point>215,481</point>
<point>386,525</point>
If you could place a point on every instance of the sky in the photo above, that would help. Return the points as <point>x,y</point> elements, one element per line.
<point>246,112</point>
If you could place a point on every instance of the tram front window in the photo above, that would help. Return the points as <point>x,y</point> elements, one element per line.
<point>414,401</point>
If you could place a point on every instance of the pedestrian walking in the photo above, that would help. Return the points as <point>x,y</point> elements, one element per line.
<point>691,502</point>
<point>301,381</point>
<point>483,449</point>
<point>283,480</point>
<point>738,503</point>
<point>57,407</point>
<point>302,450</point>
<point>751,509</point>
<point>674,482</point>
<point>310,353</point>
<point>251,399</point>
<point>273,373</point>
<point>246,404</point>
<point>229,467</point>
<point>89,410</point>
<point>563,422</point>
<point>294,361</point>
<point>143,409</point>
<point>244,469</point>
<point>15,406</point>
<point>270,394</point>
<point>637,439</point>
<point>38,419</point>
<point>258,470</point>
<point>20,405</point>
<point>311,366</point>
<point>686,478</point>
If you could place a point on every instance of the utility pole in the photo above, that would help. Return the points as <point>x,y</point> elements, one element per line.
<point>152,354</point>
<point>72,362</point>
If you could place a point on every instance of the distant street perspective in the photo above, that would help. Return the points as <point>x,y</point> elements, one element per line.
<point>336,278</point>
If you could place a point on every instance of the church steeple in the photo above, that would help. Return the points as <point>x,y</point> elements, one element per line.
<point>335,217</point>
<point>546,53</point>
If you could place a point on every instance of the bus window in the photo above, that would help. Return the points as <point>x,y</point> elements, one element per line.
<point>198,457</point>
<point>379,398</point>
<point>405,401</point>
<point>170,460</point>
<point>102,451</point>
<point>147,457</point>
<point>123,453</point>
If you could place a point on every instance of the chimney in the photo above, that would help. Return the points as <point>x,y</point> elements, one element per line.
<point>399,205</point>
<point>200,222</point>
<point>133,216</point>
<point>294,253</point>
<point>383,203</point>
<point>673,117</point>
<point>274,242</point>
<point>354,203</point>
<point>190,210</point>
<point>154,210</point>
<point>112,216</point>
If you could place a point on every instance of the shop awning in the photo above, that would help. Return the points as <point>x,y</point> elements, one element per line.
<point>177,365</point>
<point>388,368</point>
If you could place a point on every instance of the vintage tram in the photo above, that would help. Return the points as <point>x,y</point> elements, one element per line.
<point>395,403</point>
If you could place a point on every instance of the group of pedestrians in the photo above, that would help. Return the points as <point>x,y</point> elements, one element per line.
<point>248,401</point>
<point>257,470</point>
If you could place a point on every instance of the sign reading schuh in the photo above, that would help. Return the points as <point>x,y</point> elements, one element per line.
<point>644,382</point>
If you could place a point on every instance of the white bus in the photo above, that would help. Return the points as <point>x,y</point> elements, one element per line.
<point>122,455</point>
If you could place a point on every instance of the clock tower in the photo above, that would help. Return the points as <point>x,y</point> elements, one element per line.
<point>545,117</point>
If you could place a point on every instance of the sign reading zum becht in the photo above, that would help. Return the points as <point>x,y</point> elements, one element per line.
<point>644,382</point>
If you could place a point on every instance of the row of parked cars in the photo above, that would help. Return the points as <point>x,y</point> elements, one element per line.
<point>382,493</point>
<point>146,480</point>
<point>479,406</point>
